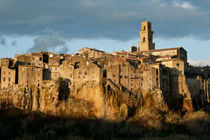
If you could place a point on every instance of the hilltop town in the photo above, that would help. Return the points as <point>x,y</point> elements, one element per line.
<point>139,72</point>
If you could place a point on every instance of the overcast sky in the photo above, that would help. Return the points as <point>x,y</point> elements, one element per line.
<point>64,26</point>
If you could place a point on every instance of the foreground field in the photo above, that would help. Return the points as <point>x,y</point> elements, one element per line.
<point>146,124</point>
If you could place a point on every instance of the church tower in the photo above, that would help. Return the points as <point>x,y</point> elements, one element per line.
<point>146,37</point>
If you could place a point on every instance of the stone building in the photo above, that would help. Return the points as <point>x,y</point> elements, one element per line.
<point>87,71</point>
<point>91,52</point>
<point>30,75</point>
<point>132,76</point>
<point>142,69</point>
<point>22,59</point>
<point>8,73</point>
<point>146,37</point>
<point>54,72</point>
<point>0,76</point>
<point>67,70</point>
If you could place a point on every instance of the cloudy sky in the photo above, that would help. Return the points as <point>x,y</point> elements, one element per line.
<point>64,26</point>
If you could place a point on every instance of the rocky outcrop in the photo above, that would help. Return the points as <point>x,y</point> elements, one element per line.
<point>86,100</point>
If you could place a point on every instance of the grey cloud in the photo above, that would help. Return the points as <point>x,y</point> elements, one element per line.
<point>115,19</point>
<point>3,41</point>
<point>50,41</point>
<point>63,50</point>
<point>14,43</point>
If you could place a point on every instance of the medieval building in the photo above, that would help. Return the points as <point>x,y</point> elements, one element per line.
<point>143,69</point>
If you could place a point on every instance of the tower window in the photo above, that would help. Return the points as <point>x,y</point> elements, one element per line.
<point>144,39</point>
<point>144,28</point>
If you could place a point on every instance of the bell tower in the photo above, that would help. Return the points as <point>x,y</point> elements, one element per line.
<point>146,37</point>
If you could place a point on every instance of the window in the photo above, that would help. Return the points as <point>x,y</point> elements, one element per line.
<point>85,72</point>
<point>144,39</point>
<point>79,71</point>
<point>70,75</point>
<point>22,74</point>
<point>40,59</point>
<point>9,79</point>
<point>144,28</point>
<point>104,74</point>
<point>177,64</point>
<point>4,79</point>
<point>132,75</point>
<point>108,87</point>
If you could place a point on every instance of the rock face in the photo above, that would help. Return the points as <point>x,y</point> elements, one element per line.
<point>86,100</point>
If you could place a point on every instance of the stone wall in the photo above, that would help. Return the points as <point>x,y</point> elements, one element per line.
<point>29,76</point>
<point>8,76</point>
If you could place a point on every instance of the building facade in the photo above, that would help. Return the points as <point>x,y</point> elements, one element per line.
<point>143,69</point>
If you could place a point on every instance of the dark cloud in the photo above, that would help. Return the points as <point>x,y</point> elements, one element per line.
<point>3,41</point>
<point>115,19</point>
<point>51,41</point>
<point>14,43</point>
